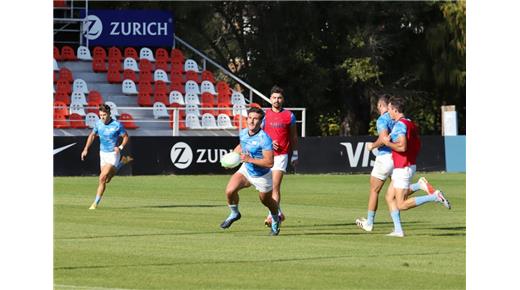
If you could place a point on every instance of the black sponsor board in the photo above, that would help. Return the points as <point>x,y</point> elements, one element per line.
<point>349,154</point>
<point>201,155</point>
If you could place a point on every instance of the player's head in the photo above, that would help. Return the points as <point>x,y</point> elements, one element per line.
<point>104,113</point>
<point>382,103</point>
<point>395,107</point>
<point>254,118</point>
<point>276,97</point>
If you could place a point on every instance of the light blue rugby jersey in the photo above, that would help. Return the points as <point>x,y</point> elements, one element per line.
<point>253,145</point>
<point>384,122</point>
<point>398,130</point>
<point>108,134</point>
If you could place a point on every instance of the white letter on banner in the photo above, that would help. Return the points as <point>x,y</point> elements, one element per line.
<point>114,28</point>
<point>163,27</point>
<point>149,29</point>
<point>136,28</point>
<point>353,158</point>
<point>127,31</point>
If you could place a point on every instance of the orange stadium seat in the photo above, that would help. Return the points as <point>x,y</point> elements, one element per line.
<point>93,106</point>
<point>222,86</point>
<point>64,86</point>
<point>77,121</point>
<point>239,118</point>
<point>65,74</point>
<point>95,96</point>
<point>225,109</point>
<point>208,101</point>
<point>67,53</point>
<point>128,121</point>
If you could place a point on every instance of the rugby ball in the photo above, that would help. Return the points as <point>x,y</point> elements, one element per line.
<point>230,160</point>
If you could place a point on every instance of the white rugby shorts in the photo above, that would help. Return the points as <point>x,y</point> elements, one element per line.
<point>262,183</point>
<point>383,167</point>
<point>111,158</point>
<point>280,162</point>
<point>402,177</point>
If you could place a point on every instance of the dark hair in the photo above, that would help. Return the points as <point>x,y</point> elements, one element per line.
<point>384,98</point>
<point>276,89</point>
<point>397,103</point>
<point>256,110</point>
<point>104,108</point>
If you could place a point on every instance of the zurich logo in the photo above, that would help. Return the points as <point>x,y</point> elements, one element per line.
<point>92,27</point>
<point>181,155</point>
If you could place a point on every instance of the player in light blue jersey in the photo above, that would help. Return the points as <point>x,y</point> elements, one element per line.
<point>256,152</point>
<point>383,166</point>
<point>109,131</point>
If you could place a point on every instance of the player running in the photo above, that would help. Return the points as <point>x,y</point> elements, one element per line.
<point>256,153</point>
<point>280,125</point>
<point>108,131</point>
<point>383,165</point>
<point>405,144</point>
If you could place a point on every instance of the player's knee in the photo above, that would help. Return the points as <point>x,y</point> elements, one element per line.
<point>103,178</point>
<point>401,205</point>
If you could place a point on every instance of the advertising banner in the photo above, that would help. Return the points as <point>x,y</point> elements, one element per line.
<point>150,28</point>
<point>201,155</point>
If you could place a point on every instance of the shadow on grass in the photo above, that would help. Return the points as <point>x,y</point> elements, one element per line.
<point>172,206</point>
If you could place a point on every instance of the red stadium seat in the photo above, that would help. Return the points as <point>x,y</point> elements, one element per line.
<point>99,52</point>
<point>57,54</point>
<point>93,106</point>
<point>144,99</point>
<point>95,96</point>
<point>65,74</point>
<point>131,52</point>
<point>223,86</point>
<point>60,121</point>
<point>177,66</point>
<point>77,121</point>
<point>145,87</point>
<point>145,76</point>
<point>161,54</point>
<point>192,76</point>
<point>114,64</point>
<point>99,65</point>
<point>64,86</point>
<point>208,76</point>
<point>225,108</point>
<point>63,97</point>
<point>177,55</point>
<point>162,97</point>
<point>162,64</point>
<point>67,53</point>
<point>128,121</point>
<point>161,87</point>
<point>208,101</point>
<point>60,108</point>
<point>115,54</point>
<point>224,98</point>
<point>237,119</point>
<point>177,87</point>
<point>176,77</point>
<point>145,65</point>
<point>182,122</point>
<point>114,77</point>
<point>129,74</point>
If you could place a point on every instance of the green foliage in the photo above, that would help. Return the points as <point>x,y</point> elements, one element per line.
<point>330,124</point>
<point>361,69</point>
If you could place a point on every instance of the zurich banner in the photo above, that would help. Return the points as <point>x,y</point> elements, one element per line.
<point>128,28</point>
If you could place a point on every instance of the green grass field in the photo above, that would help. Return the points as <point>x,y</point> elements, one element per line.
<point>162,232</point>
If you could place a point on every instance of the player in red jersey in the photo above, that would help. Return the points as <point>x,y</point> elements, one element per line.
<point>405,144</point>
<point>280,125</point>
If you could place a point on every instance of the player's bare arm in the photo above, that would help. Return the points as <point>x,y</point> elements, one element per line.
<point>379,142</point>
<point>267,160</point>
<point>399,146</point>
<point>90,139</point>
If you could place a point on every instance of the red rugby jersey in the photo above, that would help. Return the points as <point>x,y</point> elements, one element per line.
<point>413,144</point>
<point>277,126</point>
